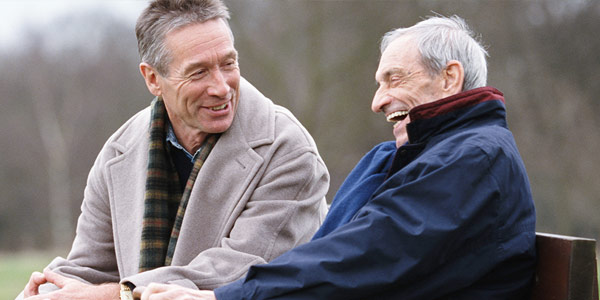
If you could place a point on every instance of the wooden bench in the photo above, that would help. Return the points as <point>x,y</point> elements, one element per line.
<point>566,268</point>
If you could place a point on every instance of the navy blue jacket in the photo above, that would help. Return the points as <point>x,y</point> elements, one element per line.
<point>452,219</point>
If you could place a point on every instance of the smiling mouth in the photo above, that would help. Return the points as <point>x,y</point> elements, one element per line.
<point>397,116</point>
<point>220,107</point>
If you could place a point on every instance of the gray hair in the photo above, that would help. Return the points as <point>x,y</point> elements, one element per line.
<point>162,16</point>
<point>441,39</point>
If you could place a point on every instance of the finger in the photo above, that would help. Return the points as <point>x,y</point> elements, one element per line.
<point>49,296</point>
<point>55,278</point>
<point>154,289</point>
<point>207,295</point>
<point>157,287</point>
<point>32,287</point>
<point>138,291</point>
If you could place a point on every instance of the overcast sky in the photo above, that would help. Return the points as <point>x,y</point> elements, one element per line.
<point>17,14</point>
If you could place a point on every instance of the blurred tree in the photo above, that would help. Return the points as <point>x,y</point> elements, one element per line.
<point>553,71</point>
<point>73,83</point>
<point>72,86</point>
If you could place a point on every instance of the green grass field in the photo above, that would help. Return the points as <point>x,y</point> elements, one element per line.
<point>15,270</point>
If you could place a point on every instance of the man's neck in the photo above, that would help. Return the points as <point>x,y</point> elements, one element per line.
<point>190,139</point>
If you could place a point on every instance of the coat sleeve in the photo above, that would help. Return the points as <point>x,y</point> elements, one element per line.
<point>427,230</point>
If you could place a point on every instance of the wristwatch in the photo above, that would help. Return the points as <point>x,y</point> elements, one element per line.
<point>126,291</point>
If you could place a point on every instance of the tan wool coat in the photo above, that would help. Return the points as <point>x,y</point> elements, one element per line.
<point>260,192</point>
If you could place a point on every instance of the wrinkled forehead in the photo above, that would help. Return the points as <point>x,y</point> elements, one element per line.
<point>401,54</point>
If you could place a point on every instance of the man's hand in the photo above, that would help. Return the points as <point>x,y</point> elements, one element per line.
<point>171,292</point>
<point>70,289</point>
<point>32,287</point>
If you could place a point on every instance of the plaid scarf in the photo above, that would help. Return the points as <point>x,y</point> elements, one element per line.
<point>164,203</point>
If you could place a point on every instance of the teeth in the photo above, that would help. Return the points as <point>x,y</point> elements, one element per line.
<point>397,116</point>
<point>219,107</point>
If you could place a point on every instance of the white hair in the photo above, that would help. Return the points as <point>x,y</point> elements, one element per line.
<point>441,39</point>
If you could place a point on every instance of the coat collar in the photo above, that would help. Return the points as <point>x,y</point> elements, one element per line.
<point>255,128</point>
<point>435,117</point>
<point>455,102</point>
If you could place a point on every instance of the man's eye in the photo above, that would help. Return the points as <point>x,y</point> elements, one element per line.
<point>396,80</point>
<point>230,64</point>
<point>198,74</point>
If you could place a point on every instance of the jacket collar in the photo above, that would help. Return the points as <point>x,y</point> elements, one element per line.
<point>255,128</point>
<point>435,117</point>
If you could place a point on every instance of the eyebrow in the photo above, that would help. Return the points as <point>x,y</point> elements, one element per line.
<point>193,66</point>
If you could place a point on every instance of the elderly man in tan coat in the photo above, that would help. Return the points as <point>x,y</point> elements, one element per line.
<point>209,180</point>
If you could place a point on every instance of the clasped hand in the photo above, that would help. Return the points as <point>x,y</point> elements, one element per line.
<point>69,289</point>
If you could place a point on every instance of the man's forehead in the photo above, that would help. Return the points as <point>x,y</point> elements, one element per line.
<point>399,48</point>
<point>397,57</point>
<point>192,63</point>
<point>392,63</point>
<point>198,43</point>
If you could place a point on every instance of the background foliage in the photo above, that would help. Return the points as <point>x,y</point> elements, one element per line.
<point>72,84</point>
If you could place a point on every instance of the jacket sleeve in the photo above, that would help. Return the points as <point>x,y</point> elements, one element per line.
<point>427,221</point>
<point>284,210</point>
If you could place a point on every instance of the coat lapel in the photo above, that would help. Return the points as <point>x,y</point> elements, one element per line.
<point>127,185</point>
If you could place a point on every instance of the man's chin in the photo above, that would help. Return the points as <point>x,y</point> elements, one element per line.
<point>218,127</point>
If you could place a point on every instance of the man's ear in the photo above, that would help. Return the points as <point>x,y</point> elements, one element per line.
<point>454,77</point>
<point>151,78</point>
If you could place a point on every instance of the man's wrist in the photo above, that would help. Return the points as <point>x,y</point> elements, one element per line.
<point>105,291</point>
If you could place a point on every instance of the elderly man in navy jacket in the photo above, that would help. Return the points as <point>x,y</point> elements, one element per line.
<point>444,212</point>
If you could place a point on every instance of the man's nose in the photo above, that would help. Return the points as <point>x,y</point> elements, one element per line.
<point>218,85</point>
<point>380,100</point>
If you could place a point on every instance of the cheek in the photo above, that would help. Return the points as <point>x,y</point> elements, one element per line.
<point>416,96</point>
<point>187,93</point>
<point>234,80</point>
<point>429,92</point>
<point>178,90</point>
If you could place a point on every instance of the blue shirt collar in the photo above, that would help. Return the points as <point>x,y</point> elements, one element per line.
<point>172,138</point>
